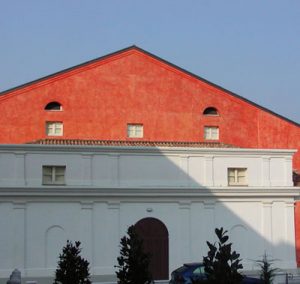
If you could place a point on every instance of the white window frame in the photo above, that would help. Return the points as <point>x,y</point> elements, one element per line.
<point>54,128</point>
<point>135,130</point>
<point>237,174</point>
<point>52,175</point>
<point>211,133</point>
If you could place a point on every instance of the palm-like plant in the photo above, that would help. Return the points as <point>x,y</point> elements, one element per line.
<point>267,273</point>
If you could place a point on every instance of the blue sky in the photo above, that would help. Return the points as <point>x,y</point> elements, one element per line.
<point>251,47</point>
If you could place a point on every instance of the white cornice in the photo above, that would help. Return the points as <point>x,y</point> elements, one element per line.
<point>66,192</point>
<point>67,149</point>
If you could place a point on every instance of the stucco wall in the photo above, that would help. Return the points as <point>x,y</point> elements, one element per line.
<point>109,189</point>
<point>144,167</point>
<point>100,98</point>
<point>34,231</point>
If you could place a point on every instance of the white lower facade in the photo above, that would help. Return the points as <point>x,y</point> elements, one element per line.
<point>104,190</point>
<point>36,226</point>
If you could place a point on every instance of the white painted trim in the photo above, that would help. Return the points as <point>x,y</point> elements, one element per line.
<point>150,192</point>
<point>150,150</point>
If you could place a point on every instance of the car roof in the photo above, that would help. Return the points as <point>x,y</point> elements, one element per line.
<point>194,264</point>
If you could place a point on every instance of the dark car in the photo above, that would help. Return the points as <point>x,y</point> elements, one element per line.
<point>195,271</point>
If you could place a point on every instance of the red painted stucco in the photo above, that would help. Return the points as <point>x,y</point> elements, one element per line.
<point>99,99</point>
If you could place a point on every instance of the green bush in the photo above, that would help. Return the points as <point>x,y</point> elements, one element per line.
<point>221,263</point>
<point>72,268</point>
<point>133,261</point>
<point>267,273</point>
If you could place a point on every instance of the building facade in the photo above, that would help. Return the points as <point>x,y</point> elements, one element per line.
<point>134,98</point>
<point>50,193</point>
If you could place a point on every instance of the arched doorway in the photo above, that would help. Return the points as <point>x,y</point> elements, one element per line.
<point>156,242</point>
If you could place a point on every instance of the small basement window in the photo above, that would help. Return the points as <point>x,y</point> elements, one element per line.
<point>211,111</point>
<point>54,128</point>
<point>211,133</point>
<point>237,176</point>
<point>54,175</point>
<point>53,106</point>
<point>135,130</point>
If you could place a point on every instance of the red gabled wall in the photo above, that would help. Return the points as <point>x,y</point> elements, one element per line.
<point>101,97</point>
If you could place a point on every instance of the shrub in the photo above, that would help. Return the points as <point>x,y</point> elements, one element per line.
<point>221,264</point>
<point>133,261</point>
<point>72,268</point>
<point>267,273</point>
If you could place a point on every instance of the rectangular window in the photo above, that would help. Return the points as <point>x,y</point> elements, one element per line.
<point>135,131</point>
<point>54,128</point>
<point>237,176</point>
<point>211,133</point>
<point>54,175</point>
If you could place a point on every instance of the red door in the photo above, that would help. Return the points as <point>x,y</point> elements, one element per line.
<point>156,242</point>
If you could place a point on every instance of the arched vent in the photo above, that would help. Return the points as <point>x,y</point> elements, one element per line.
<point>53,106</point>
<point>211,111</point>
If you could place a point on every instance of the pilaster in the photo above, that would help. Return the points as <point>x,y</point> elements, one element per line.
<point>185,229</point>
<point>19,227</point>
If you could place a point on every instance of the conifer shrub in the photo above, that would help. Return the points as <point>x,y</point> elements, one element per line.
<point>133,262</point>
<point>72,268</point>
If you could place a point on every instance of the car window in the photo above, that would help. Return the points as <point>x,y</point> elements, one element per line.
<point>199,270</point>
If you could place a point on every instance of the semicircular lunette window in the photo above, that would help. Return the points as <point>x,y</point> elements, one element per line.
<point>211,111</point>
<point>54,106</point>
